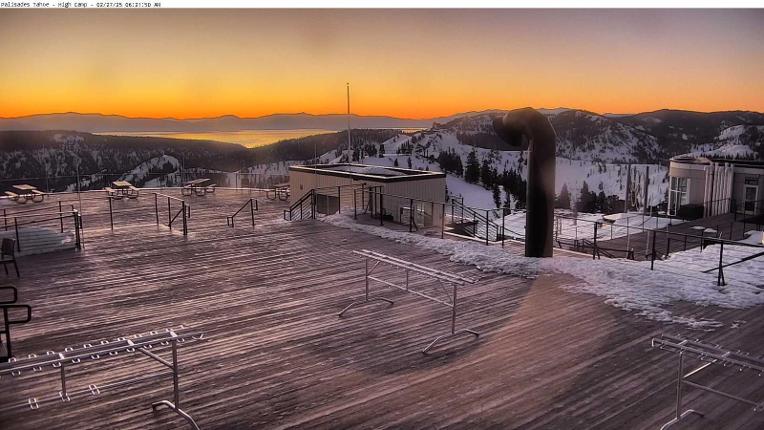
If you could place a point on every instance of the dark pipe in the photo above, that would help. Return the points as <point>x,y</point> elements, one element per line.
<point>528,129</point>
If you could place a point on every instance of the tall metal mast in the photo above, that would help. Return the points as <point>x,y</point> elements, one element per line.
<point>350,149</point>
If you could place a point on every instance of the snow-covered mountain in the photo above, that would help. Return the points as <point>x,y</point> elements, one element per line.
<point>591,148</point>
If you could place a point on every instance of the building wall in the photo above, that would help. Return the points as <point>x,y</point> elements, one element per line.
<point>697,175</point>
<point>425,189</point>
<point>738,187</point>
<point>700,179</point>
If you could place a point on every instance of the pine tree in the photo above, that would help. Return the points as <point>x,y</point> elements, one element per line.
<point>395,162</point>
<point>381,152</point>
<point>496,195</point>
<point>472,172</point>
<point>563,200</point>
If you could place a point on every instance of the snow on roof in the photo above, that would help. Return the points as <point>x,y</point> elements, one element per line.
<point>367,170</point>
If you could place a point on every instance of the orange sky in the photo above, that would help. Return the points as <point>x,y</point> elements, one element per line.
<point>408,63</point>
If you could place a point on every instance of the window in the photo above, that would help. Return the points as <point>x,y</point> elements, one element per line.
<point>678,195</point>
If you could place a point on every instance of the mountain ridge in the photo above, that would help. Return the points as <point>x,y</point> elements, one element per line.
<point>104,123</point>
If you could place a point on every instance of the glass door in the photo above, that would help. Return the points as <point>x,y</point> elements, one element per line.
<point>750,195</point>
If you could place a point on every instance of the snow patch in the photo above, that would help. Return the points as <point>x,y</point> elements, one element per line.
<point>625,284</point>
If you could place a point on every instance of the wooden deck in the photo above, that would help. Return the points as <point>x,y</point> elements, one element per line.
<point>277,356</point>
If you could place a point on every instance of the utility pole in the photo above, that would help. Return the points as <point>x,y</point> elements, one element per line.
<point>350,149</point>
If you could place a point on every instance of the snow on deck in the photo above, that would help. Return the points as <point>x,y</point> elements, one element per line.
<point>628,285</point>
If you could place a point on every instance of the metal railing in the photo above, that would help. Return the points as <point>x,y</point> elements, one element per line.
<point>252,203</point>
<point>98,180</point>
<point>8,307</point>
<point>184,211</point>
<point>323,201</point>
<point>41,232</point>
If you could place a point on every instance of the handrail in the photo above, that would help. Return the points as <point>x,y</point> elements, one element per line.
<point>57,218</point>
<point>253,206</point>
<point>298,204</point>
<point>185,210</point>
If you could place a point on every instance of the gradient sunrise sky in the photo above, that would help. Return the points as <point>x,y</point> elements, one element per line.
<point>408,63</point>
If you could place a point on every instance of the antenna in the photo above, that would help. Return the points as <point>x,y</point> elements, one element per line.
<point>350,149</point>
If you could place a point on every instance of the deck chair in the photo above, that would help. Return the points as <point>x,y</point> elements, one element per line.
<point>8,255</point>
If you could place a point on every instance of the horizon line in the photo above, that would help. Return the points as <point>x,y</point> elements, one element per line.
<point>172,118</point>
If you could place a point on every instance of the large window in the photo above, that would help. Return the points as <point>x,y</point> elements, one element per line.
<point>678,195</point>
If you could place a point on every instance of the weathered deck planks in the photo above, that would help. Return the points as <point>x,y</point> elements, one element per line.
<point>278,357</point>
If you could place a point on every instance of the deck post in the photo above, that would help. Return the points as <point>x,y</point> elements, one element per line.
<point>111,214</point>
<point>252,211</point>
<point>443,222</point>
<point>594,248</point>
<point>720,276</point>
<point>156,207</point>
<point>652,254</point>
<point>169,213</point>
<point>16,227</point>
<point>185,224</point>
<point>355,207</point>
<point>339,199</point>
<point>411,214</point>
<point>5,218</point>
<point>381,209</point>
<point>503,227</point>
<point>486,227</point>
<point>77,227</point>
<point>60,216</point>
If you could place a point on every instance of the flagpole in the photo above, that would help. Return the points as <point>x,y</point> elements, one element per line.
<point>350,149</point>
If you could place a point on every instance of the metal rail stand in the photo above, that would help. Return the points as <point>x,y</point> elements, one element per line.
<point>709,355</point>
<point>148,344</point>
<point>442,277</point>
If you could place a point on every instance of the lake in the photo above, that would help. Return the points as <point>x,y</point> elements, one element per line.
<point>248,138</point>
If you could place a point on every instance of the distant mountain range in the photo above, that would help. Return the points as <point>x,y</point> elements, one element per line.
<point>650,137</point>
<point>49,148</point>
<point>97,123</point>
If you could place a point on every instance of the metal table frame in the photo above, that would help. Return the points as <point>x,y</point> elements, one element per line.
<point>442,277</point>
<point>710,355</point>
<point>146,344</point>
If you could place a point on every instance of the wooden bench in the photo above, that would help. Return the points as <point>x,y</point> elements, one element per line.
<point>38,196</point>
<point>113,193</point>
<point>13,196</point>
<point>133,193</point>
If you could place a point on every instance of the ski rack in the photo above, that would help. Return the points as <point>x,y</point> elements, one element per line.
<point>146,343</point>
<point>709,354</point>
<point>443,277</point>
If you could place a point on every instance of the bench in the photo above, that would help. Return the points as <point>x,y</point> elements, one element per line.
<point>133,193</point>
<point>211,188</point>
<point>38,196</point>
<point>113,193</point>
<point>11,195</point>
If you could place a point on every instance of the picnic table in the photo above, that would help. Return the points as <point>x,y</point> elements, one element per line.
<point>122,189</point>
<point>279,191</point>
<point>25,192</point>
<point>199,187</point>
